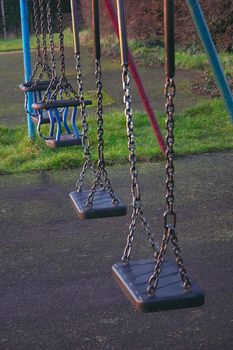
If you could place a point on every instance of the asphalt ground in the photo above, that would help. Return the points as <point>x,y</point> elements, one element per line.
<point>56,285</point>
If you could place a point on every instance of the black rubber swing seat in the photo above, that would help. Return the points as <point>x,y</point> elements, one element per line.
<point>59,104</point>
<point>65,141</point>
<point>102,205</point>
<point>169,295</point>
<point>40,86</point>
<point>45,120</point>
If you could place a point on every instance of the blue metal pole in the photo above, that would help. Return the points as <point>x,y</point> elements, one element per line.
<point>207,42</point>
<point>27,61</point>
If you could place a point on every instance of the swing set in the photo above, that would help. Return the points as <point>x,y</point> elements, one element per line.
<point>57,96</point>
<point>152,284</point>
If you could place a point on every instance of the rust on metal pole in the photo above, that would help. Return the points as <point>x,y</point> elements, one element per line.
<point>75,25</point>
<point>122,32</point>
<point>96,28</point>
<point>169,38</point>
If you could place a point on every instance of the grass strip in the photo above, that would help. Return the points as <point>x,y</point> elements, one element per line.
<point>203,128</point>
<point>151,52</point>
<point>146,52</point>
<point>15,44</point>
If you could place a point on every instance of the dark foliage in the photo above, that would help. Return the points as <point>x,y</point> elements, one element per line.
<point>145,20</point>
<point>12,14</point>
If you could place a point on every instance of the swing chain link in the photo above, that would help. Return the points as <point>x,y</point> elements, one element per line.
<point>98,73</point>
<point>45,66</point>
<point>153,280</point>
<point>47,94</point>
<point>44,36</point>
<point>85,137</point>
<point>169,232</point>
<point>63,85</point>
<point>37,35</point>
<point>183,273</point>
<point>61,37</point>
<point>169,228</point>
<point>51,40</point>
<point>39,62</point>
<point>135,190</point>
<point>101,170</point>
<point>170,91</point>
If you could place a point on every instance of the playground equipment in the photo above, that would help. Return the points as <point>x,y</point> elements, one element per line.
<point>159,283</point>
<point>205,37</point>
<point>208,44</point>
<point>35,83</point>
<point>100,201</point>
<point>138,82</point>
<point>59,98</point>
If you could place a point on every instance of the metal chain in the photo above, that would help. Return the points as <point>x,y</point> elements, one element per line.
<point>47,94</point>
<point>45,66</point>
<point>137,209</point>
<point>130,238</point>
<point>51,39</point>
<point>101,170</point>
<point>63,85</point>
<point>169,227</point>
<point>85,137</point>
<point>170,91</point>
<point>61,37</point>
<point>99,95</point>
<point>44,36</point>
<point>153,281</point>
<point>183,273</point>
<point>38,6</point>
<point>37,34</point>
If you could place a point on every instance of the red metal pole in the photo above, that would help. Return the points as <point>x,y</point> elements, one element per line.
<point>138,82</point>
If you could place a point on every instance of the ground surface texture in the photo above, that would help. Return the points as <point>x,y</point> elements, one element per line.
<point>56,287</point>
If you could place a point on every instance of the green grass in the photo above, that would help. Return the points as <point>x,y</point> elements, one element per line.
<point>185,58</point>
<point>204,128</point>
<point>91,95</point>
<point>16,43</point>
<point>149,52</point>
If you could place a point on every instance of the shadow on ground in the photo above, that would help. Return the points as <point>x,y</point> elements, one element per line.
<point>56,288</point>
